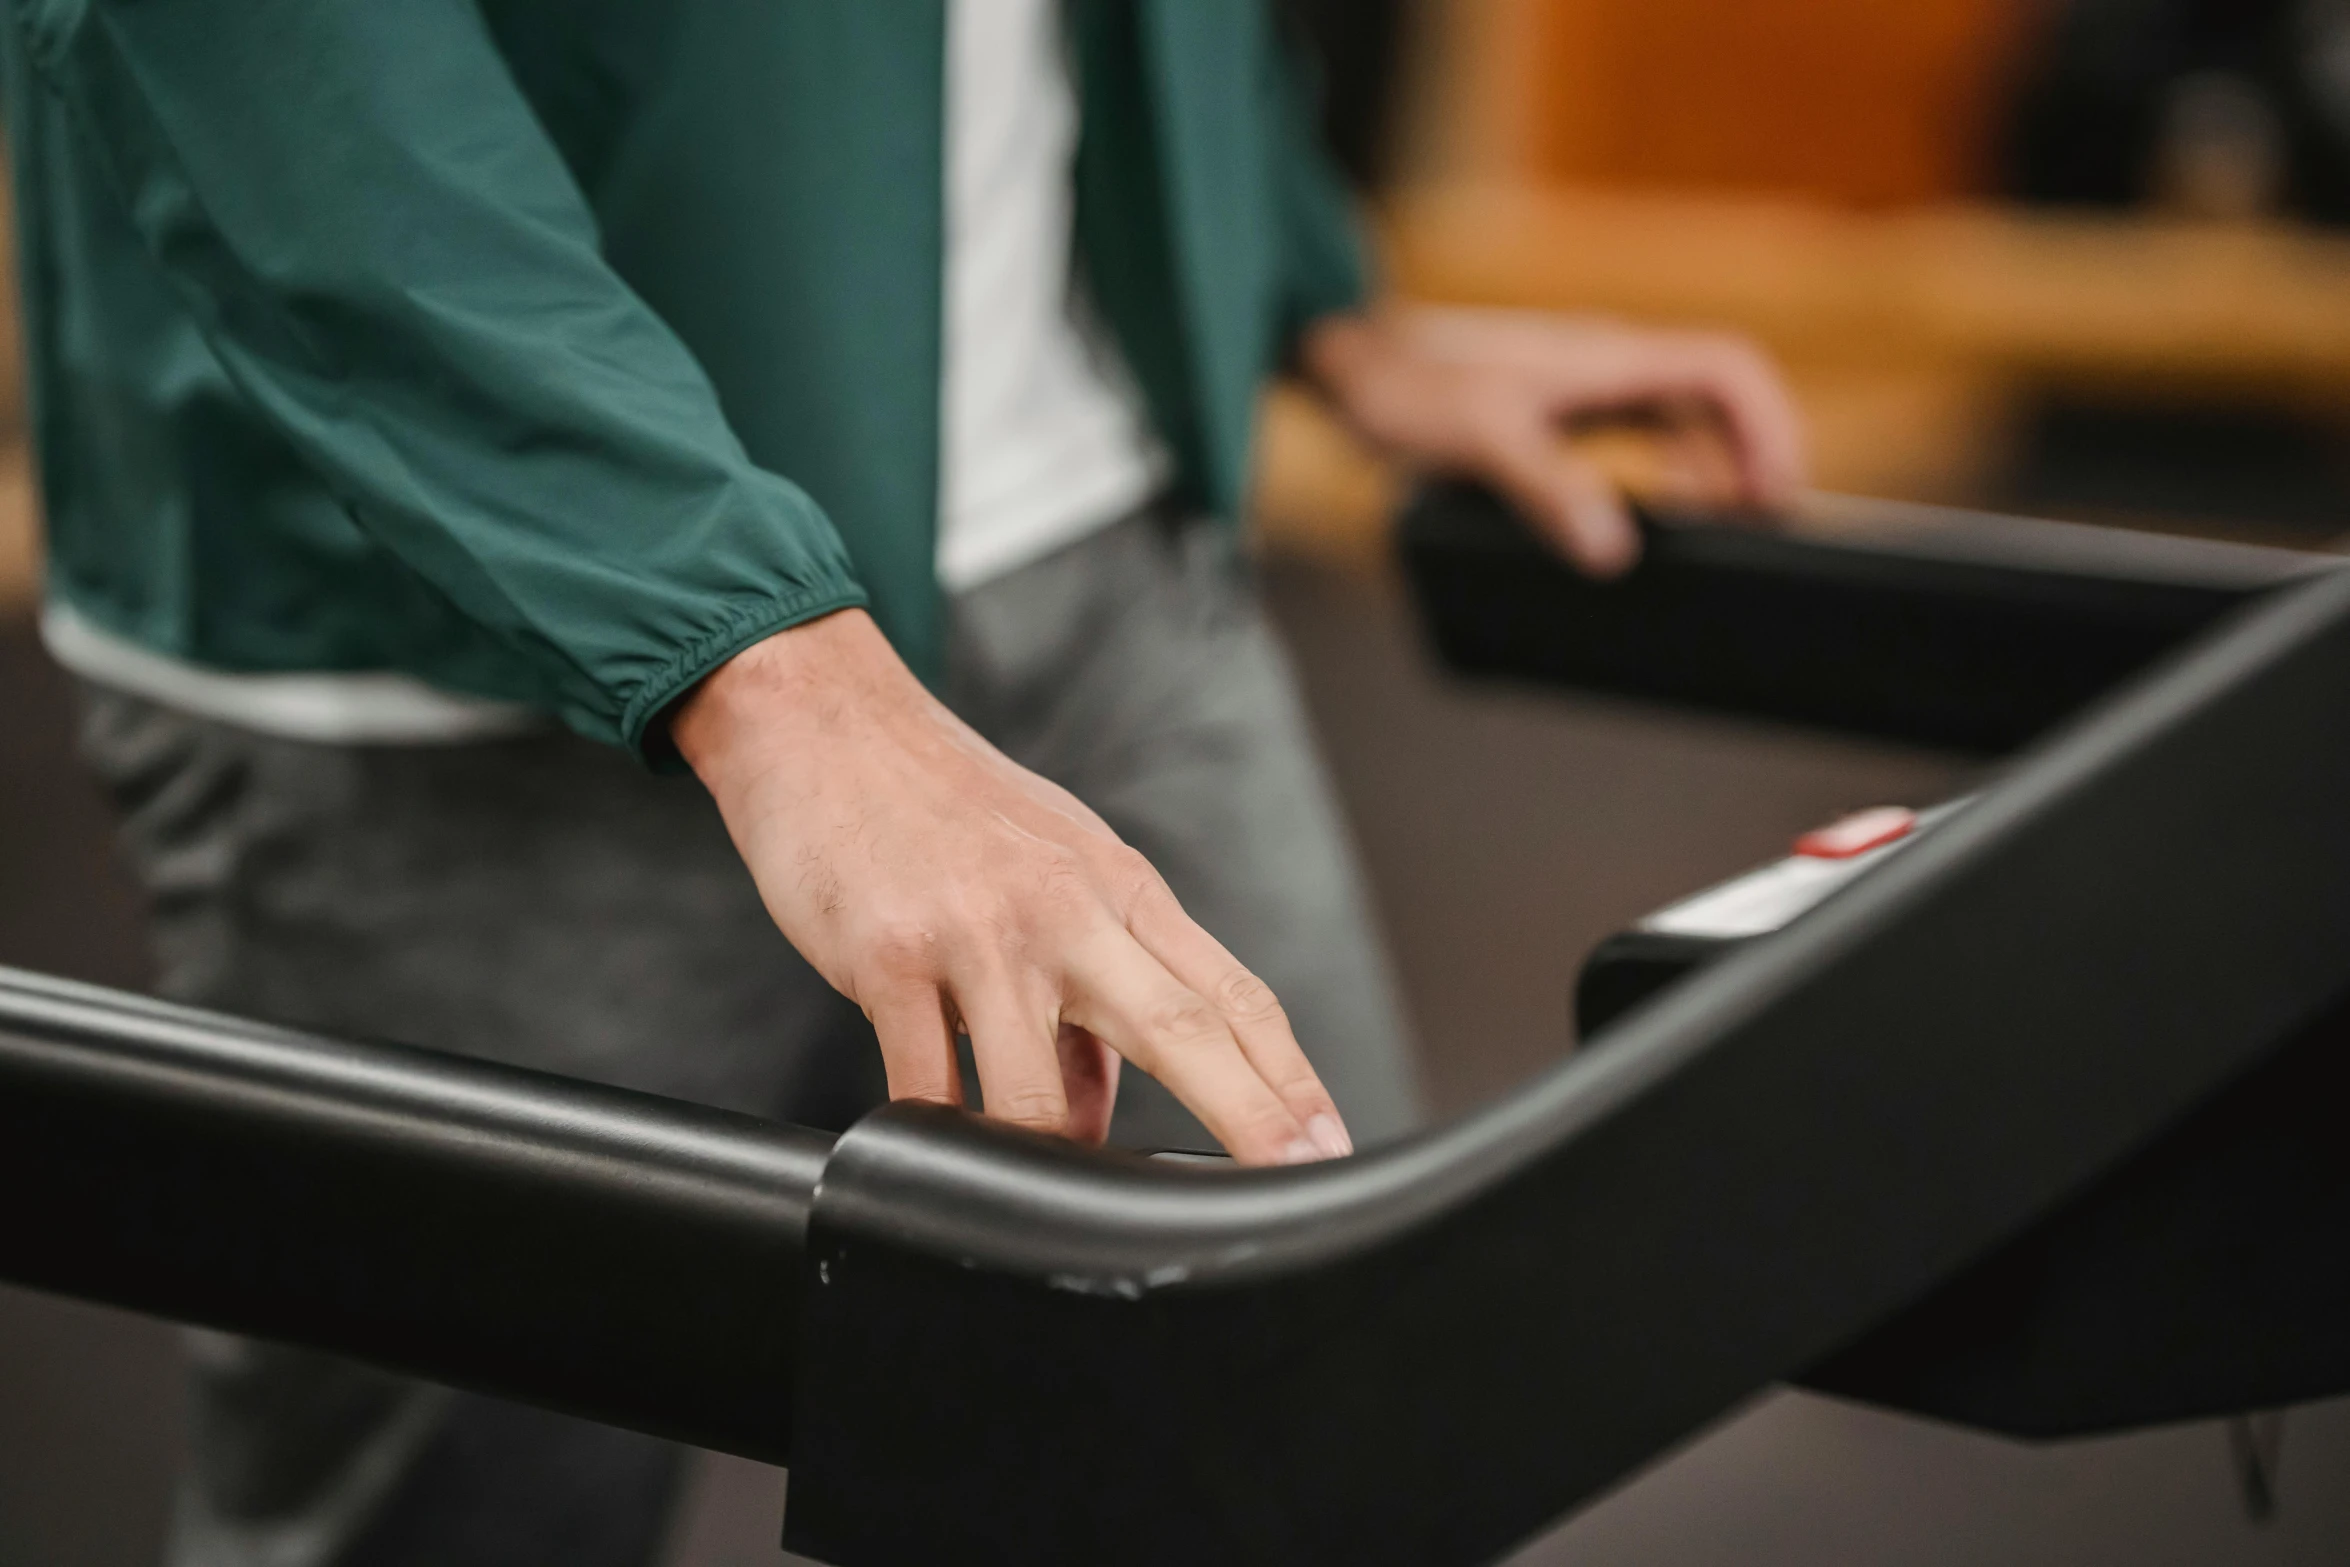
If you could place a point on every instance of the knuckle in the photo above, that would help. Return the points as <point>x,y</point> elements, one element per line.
<point>1061,879</point>
<point>902,950</point>
<point>1298,1084</point>
<point>1501,407</point>
<point>1186,1021</point>
<point>919,1074</point>
<point>1243,996</point>
<point>982,922</point>
<point>1038,1109</point>
<point>1000,919</point>
<point>1134,881</point>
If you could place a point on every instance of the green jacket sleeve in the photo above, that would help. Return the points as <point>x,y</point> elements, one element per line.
<point>1324,268</point>
<point>394,265</point>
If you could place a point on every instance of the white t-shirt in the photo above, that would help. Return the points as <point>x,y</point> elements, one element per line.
<point>1044,436</point>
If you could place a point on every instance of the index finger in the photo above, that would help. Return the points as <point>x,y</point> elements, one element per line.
<point>1250,1009</point>
<point>1728,377</point>
<point>1127,998</point>
<point>1758,412</point>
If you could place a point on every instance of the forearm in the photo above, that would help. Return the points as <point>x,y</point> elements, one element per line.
<point>368,223</point>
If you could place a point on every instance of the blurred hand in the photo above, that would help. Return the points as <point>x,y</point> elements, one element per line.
<point>1490,394</point>
<point>946,890</point>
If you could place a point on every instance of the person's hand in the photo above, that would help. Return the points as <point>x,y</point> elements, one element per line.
<point>948,891</point>
<point>1490,394</point>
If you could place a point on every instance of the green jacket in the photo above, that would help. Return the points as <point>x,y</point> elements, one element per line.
<point>555,350</point>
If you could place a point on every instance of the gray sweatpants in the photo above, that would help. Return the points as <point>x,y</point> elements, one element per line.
<point>544,901</point>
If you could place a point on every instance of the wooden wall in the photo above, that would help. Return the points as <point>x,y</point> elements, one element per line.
<point>1859,101</point>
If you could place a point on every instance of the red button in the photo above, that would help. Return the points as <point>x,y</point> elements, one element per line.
<point>1858,833</point>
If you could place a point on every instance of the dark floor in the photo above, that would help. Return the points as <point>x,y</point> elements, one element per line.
<point>1505,832</point>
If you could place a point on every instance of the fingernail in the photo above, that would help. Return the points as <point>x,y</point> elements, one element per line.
<point>1302,1151</point>
<point>1329,1136</point>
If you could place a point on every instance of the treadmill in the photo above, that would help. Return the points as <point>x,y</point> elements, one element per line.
<point>2022,1124</point>
<point>2204,1276</point>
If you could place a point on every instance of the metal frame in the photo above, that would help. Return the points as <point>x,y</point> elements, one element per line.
<point>1918,624</point>
<point>631,1259</point>
<point>1012,1351</point>
<point>1423,1355</point>
<point>2201,1279</point>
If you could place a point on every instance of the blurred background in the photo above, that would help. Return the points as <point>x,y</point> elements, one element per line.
<point>2077,258</point>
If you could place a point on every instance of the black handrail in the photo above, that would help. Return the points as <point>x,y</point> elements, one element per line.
<point>632,1259</point>
<point>1908,623</point>
<point>1007,1350</point>
<point>1422,1355</point>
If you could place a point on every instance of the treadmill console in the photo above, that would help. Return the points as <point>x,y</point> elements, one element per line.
<point>1682,937</point>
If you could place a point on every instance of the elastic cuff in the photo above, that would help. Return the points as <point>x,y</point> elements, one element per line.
<point>644,722</point>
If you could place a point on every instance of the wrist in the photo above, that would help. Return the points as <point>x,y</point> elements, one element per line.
<point>1336,351</point>
<point>1368,372</point>
<point>779,691</point>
